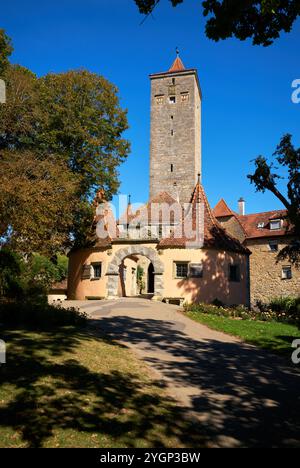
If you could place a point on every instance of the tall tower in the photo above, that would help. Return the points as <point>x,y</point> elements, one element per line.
<point>175,147</point>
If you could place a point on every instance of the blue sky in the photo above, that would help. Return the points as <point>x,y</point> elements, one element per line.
<point>246,89</point>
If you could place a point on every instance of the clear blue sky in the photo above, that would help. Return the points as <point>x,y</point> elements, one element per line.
<point>247,90</point>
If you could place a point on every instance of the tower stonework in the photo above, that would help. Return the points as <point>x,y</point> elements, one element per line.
<point>175,146</point>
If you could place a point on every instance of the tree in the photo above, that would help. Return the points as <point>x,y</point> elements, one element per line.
<point>20,116</point>
<point>10,272</point>
<point>73,120</point>
<point>37,200</point>
<point>6,50</point>
<point>82,120</point>
<point>261,20</point>
<point>266,178</point>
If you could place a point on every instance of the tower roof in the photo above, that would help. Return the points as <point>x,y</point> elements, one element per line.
<point>215,236</point>
<point>222,210</point>
<point>177,65</point>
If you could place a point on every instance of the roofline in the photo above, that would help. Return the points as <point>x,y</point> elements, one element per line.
<point>284,210</point>
<point>189,71</point>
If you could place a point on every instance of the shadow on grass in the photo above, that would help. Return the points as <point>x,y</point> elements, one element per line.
<point>244,395</point>
<point>50,395</point>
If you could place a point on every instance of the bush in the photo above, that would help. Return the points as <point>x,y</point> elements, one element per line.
<point>283,309</point>
<point>39,315</point>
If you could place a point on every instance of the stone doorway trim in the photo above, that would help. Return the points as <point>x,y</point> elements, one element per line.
<point>113,270</point>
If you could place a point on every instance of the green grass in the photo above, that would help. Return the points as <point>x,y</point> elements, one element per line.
<point>70,388</point>
<point>274,336</point>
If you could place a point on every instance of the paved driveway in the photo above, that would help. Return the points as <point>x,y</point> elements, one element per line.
<point>241,395</point>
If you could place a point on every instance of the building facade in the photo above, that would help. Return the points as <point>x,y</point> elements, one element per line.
<point>265,235</point>
<point>203,265</point>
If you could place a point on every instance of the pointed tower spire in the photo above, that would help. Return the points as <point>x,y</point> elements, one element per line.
<point>177,64</point>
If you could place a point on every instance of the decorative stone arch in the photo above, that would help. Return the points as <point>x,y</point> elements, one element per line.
<point>113,269</point>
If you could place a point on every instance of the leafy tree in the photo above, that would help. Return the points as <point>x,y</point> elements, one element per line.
<point>6,50</point>
<point>21,114</point>
<point>266,178</point>
<point>37,200</point>
<point>41,272</point>
<point>83,121</point>
<point>10,272</point>
<point>261,20</point>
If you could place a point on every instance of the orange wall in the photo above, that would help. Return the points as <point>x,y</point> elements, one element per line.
<point>213,285</point>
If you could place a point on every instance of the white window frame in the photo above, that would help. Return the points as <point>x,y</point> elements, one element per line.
<point>284,275</point>
<point>93,265</point>
<point>277,222</point>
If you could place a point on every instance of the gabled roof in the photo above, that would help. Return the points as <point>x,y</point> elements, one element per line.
<point>222,210</point>
<point>177,65</point>
<point>215,236</point>
<point>144,214</point>
<point>252,222</point>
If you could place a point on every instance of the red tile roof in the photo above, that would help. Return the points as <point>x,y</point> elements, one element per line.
<point>177,65</point>
<point>251,222</point>
<point>215,236</point>
<point>222,210</point>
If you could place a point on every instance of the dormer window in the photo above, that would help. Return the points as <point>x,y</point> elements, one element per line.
<point>261,225</point>
<point>275,224</point>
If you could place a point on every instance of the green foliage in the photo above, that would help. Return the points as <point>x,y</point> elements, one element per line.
<point>10,273</point>
<point>62,264</point>
<point>140,279</point>
<point>279,310</point>
<point>60,142</point>
<point>261,20</point>
<point>36,202</point>
<point>272,335</point>
<point>36,315</point>
<point>83,121</point>
<point>40,271</point>
<point>6,50</point>
<point>266,177</point>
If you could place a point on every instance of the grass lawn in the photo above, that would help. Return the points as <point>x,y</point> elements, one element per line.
<point>70,388</point>
<point>275,336</point>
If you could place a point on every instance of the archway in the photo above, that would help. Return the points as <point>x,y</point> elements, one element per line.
<point>113,269</point>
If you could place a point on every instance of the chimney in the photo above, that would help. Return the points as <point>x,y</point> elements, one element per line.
<point>242,207</point>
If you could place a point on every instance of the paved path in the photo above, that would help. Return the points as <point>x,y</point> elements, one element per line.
<point>241,395</point>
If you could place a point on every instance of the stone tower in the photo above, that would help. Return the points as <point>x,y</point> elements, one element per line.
<point>175,146</point>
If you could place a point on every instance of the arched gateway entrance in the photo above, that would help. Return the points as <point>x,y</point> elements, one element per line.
<point>113,269</point>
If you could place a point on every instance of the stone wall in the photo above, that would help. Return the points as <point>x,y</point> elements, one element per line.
<point>266,275</point>
<point>175,135</point>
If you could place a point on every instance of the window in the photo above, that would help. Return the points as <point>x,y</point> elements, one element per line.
<point>172,132</point>
<point>273,246</point>
<point>234,273</point>
<point>184,97</point>
<point>286,273</point>
<point>196,270</point>
<point>261,225</point>
<point>172,117</point>
<point>275,224</point>
<point>172,99</point>
<point>159,99</point>
<point>96,270</point>
<point>173,81</point>
<point>181,269</point>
